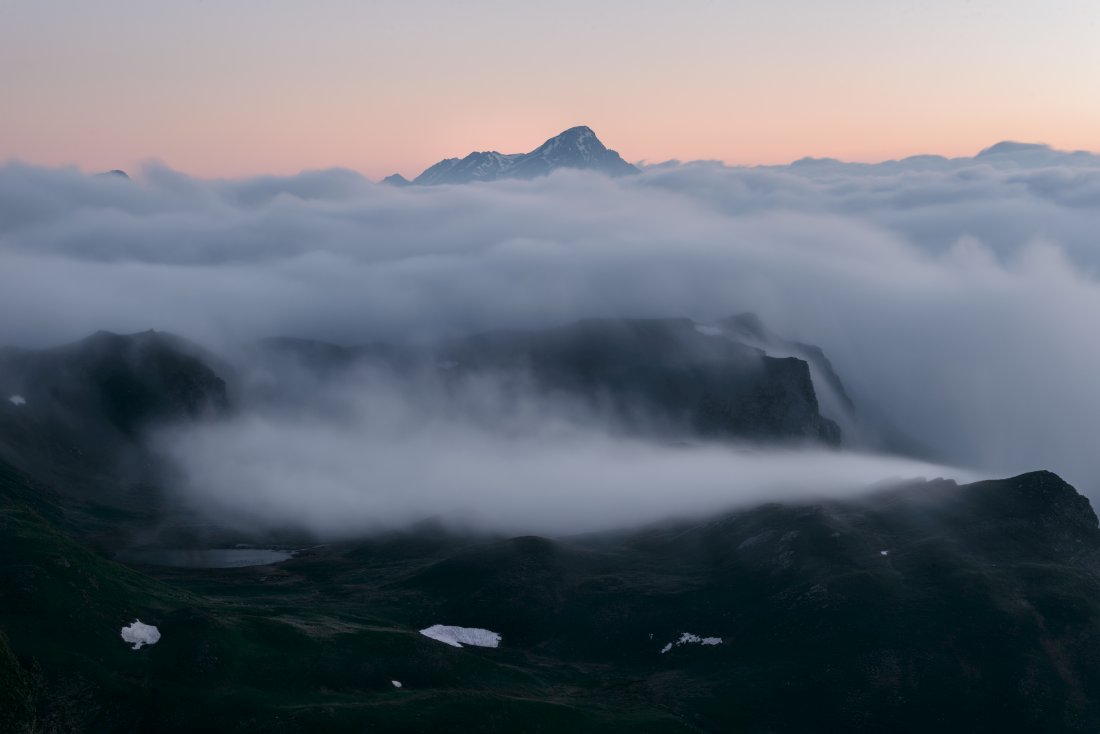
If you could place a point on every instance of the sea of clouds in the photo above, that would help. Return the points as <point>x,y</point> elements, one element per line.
<point>956,298</point>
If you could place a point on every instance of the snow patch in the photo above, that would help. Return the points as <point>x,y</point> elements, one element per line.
<point>708,330</point>
<point>17,400</point>
<point>138,634</point>
<point>459,636</point>
<point>689,639</point>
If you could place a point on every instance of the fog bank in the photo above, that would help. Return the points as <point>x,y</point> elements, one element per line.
<point>364,454</point>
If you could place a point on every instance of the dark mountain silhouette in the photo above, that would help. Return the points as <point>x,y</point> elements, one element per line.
<point>664,376</point>
<point>84,408</point>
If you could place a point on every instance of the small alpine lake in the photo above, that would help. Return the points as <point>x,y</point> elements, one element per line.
<point>204,557</point>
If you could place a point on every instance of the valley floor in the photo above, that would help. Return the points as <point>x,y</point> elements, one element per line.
<point>924,606</point>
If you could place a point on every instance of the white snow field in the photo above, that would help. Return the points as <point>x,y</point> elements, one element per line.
<point>459,636</point>
<point>139,634</point>
<point>689,639</point>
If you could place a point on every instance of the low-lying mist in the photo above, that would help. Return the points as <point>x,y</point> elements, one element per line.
<point>368,452</point>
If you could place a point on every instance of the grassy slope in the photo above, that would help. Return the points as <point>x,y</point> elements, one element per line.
<point>244,650</point>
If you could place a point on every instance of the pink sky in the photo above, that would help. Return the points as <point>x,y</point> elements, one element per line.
<point>246,87</point>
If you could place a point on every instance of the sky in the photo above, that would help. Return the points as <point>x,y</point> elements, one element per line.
<point>244,87</point>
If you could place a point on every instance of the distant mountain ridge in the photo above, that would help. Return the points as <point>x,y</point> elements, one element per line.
<point>577,148</point>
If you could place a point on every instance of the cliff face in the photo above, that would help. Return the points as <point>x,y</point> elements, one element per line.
<point>660,372</point>
<point>667,377</point>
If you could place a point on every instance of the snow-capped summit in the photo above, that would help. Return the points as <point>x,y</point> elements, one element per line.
<point>577,147</point>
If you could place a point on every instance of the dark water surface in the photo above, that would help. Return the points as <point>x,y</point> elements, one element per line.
<point>204,557</point>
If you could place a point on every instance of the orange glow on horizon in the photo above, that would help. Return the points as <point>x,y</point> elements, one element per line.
<point>267,88</point>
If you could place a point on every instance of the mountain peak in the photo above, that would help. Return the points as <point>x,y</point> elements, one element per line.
<point>577,147</point>
<point>580,131</point>
<point>396,179</point>
<point>581,137</point>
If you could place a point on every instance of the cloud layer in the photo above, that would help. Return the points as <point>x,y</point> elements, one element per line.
<point>956,298</point>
